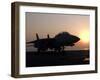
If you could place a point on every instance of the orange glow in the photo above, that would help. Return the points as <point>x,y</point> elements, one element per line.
<point>84,36</point>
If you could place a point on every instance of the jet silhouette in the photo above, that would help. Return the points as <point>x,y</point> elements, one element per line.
<point>56,43</point>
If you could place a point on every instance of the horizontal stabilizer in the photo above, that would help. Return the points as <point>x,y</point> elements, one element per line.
<point>29,42</point>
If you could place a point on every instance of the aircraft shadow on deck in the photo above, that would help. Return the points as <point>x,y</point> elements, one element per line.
<point>51,58</point>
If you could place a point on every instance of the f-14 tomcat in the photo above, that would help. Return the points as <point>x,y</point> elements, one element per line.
<point>56,43</point>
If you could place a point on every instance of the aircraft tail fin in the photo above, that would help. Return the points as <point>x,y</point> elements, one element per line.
<point>37,36</point>
<point>48,36</point>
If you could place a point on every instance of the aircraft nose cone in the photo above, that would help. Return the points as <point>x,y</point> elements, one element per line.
<point>77,38</point>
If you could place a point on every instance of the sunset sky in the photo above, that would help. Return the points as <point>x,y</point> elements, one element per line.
<point>52,24</point>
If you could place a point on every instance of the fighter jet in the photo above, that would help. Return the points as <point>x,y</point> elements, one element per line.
<point>57,43</point>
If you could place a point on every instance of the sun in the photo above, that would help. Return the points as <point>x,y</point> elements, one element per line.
<point>84,36</point>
